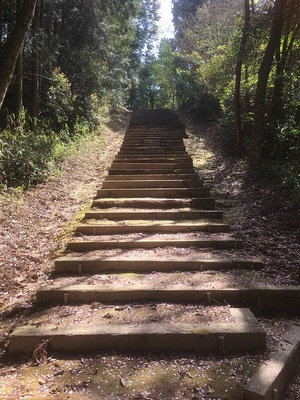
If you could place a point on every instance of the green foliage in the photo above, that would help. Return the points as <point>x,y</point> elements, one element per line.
<point>285,177</point>
<point>183,10</point>
<point>60,101</point>
<point>79,61</point>
<point>203,105</point>
<point>80,51</point>
<point>25,156</point>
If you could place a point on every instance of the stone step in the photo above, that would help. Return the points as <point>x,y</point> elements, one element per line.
<point>153,166</point>
<point>168,177</point>
<point>153,143</point>
<point>150,153</point>
<point>143,150</point>
<point>158,183</point>
<point>96,229</point>
<point>156,176</point>
<point>176,215</point>
<point>155,133</point>
<point>161,128</point>
<point>156,140</point>
<point>204,203</point>
<point>147,171</point>
<point>244,334</point>
<point>273,376</point>
<point>150,159</point>
<point>150,144</point>
<point>91,245</point>
<point>276,298</point>
<point>152,135</point>
<point>147,145</point>
<point>93,265</point>
<point>154,193</point>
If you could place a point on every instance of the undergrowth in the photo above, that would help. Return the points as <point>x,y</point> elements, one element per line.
<point>30,149</point>
<point>284,177</point>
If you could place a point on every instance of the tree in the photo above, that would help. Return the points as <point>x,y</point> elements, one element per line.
<point>140,73</point>
<point>182,11</point>
<point>282,55</point>
<point>261,88</point>
<point>166,75</point>
<point>206,59</point>
<point>13,46</point>
<point>238,77</point>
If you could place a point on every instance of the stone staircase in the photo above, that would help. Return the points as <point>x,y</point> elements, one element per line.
<point>151,232</point>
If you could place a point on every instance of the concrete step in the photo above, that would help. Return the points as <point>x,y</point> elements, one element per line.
<point>158,183</point>
<point>185,164</point>
<point>144,150</point>
<point>150,133</point>
<point>140,158</point>
<point>96,229</point>
<point>151,153</point>
<point>83,265</point>
<point>156,176</point>
<point>203,204</point>
<point>149,144</point>
<point>274,375</point>
<point>176,215</point>
<point>244,334</point>
<point>147,171</point>
<point>91,245</point>
<point>260,297</point>
<point>154,193</point>
<point>176,144</point>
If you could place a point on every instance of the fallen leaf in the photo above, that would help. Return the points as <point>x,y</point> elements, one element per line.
<point>123,382</point>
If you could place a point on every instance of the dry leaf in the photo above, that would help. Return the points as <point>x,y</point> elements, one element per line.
<point>123,382</point>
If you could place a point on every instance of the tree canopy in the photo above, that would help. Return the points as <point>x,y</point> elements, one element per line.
<point>239,61</point>
<point>64,64</point>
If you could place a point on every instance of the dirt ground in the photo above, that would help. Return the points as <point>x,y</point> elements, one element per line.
<point>36,225</point>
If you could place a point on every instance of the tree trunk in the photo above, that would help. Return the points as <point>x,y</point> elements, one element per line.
<point>238,77</point>
<point>18,73</point>
<point>34,98</point>
<point>261,88</point>
<point>283,52</point>
<point>13,46</point>
<point>18,83</point>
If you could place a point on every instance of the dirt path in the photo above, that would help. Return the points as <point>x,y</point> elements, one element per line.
<point>36,226</point>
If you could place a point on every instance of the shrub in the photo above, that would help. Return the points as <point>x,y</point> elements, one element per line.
<point>25,155</point>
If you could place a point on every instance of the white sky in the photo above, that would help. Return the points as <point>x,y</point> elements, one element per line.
<point>165,24</point>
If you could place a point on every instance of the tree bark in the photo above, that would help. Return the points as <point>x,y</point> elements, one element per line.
<point>238,77</point>
<point>261,88</point>
<point>13,46</point>
<point>18,73</point>
<point>35,70</point>
<point>283,52</point>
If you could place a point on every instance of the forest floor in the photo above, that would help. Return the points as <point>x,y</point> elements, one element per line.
<point>36,225</point>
